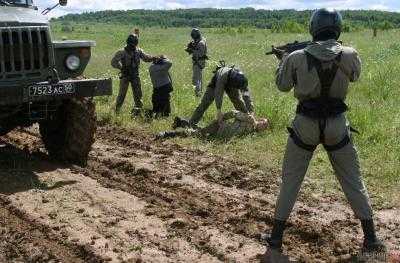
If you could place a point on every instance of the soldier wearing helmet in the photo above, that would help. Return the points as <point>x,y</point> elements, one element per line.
<point>127,61</point>
<point>197,48</point>
<point>231,81</point>
<point>320,75</point>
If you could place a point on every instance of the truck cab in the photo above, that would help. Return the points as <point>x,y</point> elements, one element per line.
<point>40,76</point>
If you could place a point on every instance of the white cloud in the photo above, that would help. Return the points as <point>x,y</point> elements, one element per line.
<point>78,6</point>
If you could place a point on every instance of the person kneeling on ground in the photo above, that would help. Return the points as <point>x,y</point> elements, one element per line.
<point>234,123</point>
<point>162,86</point>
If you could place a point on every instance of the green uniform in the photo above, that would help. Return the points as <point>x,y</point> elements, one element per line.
<point>199,62</point>
<point>295,72</point>
<point>241,100</point>
<point>129,62</point>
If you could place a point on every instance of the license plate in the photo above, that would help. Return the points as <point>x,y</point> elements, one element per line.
<point>51,89</point>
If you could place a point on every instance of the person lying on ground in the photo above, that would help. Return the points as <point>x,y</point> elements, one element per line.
<point>234,123</point>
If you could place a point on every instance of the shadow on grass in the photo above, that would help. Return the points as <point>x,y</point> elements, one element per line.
<point>19,170</point>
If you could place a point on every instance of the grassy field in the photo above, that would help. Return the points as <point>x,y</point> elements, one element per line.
<point>374,100</point>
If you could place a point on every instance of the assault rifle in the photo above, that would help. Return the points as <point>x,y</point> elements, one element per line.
<point>289,48</point>
<point>190,47</point>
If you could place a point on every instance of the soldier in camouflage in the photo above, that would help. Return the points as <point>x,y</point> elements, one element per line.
<point>320,75</point>
<point>128,62</point>
<point>197,48</point>
<point>234,123</point>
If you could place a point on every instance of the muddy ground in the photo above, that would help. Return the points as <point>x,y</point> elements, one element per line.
<point>145,201</point>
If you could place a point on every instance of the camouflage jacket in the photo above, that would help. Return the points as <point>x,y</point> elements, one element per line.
<point>199,54</point>
<point>235,123</point>
<point>129,61</point>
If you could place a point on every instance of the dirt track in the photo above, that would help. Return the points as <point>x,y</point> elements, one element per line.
<point>145,201</point>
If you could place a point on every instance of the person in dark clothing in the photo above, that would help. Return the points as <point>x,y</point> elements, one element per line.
<point>162,86</point>
<point>127,61</point>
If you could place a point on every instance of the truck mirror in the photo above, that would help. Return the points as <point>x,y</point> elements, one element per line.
<point>63,2</point>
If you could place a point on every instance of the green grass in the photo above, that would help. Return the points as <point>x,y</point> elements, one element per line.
<point>374,100</point>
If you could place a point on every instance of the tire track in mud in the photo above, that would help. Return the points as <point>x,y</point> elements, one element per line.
<point>200,193</point>
<point>216,205</point>
<point>23,239</point>
<point>186,211</point>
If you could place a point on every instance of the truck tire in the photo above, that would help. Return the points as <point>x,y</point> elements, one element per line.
<point>69,135</point>
<point>4,130</point>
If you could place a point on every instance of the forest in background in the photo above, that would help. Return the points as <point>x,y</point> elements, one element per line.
<point>281,21</point>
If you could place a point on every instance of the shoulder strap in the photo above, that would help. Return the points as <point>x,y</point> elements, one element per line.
<point>136,56</point>
<point>326,75</point>
<point>232,68</point>
<point>343,70</point>
<point>125,60</point>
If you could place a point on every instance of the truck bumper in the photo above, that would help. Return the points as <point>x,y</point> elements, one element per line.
<point>45,91</point>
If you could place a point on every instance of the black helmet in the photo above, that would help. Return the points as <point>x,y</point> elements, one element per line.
<point>132,40</point>
<point>326,20</point>
<point>195,34</point>
<point>238,80</point>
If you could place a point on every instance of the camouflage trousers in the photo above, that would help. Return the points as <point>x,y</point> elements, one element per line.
<point>344,161</point>
<point>136,91</point>
<point>197,79</point>
<point>209,97</point>
<point>210,130</point>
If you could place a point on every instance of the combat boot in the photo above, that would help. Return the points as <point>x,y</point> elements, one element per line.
<point>198,93</point>
<point>149,114</point>
<point>180,123</point>
<point>371,244</point>
<point>136,112</point>
<point>274,240</point>
<point>165,135</point>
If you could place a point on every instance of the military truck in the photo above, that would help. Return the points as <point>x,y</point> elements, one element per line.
<point>41,83</point>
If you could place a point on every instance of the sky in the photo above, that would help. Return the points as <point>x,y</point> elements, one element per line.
<point>79,6</point>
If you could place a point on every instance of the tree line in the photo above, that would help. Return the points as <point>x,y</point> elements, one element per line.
<point>276,20</point>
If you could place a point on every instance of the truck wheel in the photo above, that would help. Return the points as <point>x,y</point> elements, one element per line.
<point>69,135</point>
<point>4,131</point>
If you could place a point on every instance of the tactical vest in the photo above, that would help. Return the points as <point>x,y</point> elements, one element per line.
<point>214,79</point>
<point>197,61</point>
<point>324,106</point>
<point>130,64</point>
